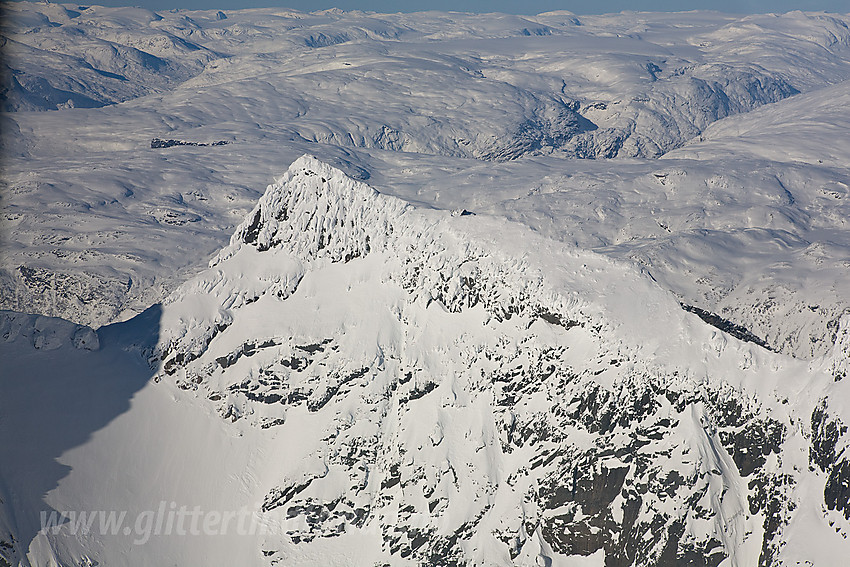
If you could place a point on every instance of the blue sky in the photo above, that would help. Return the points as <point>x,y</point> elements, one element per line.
<point>513,7</point>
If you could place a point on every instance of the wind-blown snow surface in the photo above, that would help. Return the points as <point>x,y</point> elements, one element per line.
<point>496,352</point>
<point>387,383</point>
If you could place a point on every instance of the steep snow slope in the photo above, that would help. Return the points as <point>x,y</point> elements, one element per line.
<point>86,430</point>
<point>808,129</point>
<point>402,385</point>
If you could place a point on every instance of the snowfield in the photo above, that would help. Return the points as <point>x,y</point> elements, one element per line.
<point>520,290</point>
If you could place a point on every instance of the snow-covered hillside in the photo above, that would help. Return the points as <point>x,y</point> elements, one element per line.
<point>422,103</point>
<point>554,289</point>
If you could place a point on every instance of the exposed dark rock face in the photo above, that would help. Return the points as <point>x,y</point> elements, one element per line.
<point>724,325</point>
<point>836,494</point>
<point>827,433</point>
<point>159,143</point>
<point>616,495</point>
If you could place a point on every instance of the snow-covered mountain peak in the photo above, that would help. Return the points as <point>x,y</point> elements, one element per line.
<point>413,342</point>
<point>316,208</point>
<point>315,215</point>
<point>412,385</point>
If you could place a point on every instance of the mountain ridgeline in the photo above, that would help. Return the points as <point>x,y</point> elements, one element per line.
<point>472,403</point>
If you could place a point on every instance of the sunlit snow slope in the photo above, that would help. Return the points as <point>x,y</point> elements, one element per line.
<point>385,383</point>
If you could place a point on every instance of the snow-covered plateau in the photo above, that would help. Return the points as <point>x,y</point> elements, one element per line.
<point>543,290</point>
